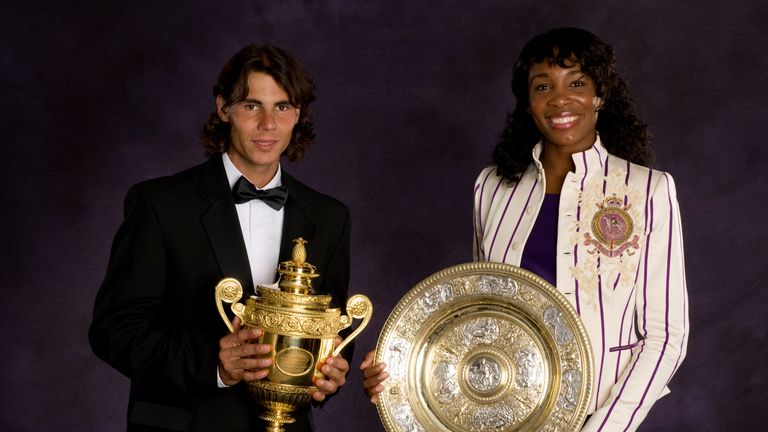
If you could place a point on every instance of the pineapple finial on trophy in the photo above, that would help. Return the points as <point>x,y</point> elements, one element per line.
<point>299,252</point>
<point>296,275</point>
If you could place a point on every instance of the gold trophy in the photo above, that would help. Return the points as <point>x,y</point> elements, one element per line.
<point>301,329</point>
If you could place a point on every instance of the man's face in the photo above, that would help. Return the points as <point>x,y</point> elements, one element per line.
<point>563,104</point>
<point>261,128</point>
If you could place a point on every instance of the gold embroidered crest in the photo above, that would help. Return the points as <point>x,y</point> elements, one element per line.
<point>612,227</point>
<point>608,232</point>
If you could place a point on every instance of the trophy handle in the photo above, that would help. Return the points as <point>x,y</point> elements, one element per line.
<point>229,290</point>
<point>358,306</point>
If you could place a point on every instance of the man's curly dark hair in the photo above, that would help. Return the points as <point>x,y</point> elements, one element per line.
<point>232,86</point>
<point>621,131</point>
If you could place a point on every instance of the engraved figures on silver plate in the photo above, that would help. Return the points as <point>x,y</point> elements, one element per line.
<point>479,331</point>
<point>436,297</point>
<point>396,357</point>
<point>445,383</point>
<point>556,321</point>
<point>404,417</point>
<point>572,384</point>
<point>484,352</point>
<point>493,418</point>
<point>491,284</point>
<point>484,374</point>
<point>529,368</point>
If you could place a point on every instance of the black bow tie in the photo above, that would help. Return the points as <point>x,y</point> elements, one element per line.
<point>244,191</point>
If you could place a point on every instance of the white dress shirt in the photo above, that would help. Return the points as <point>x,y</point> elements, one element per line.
<point>262,228</point>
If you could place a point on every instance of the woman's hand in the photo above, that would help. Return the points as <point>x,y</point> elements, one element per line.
<point>373,376</point>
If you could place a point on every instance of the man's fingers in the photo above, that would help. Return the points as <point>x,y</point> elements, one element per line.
<point>250,363</point>
<point>328,386</point>
<point>248,334</point>
<point>334,376</point>
<point>255,375</point>
<point>239,337</point>
<point>338,363</point>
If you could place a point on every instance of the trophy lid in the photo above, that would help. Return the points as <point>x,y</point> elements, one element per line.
<point>296,275</point>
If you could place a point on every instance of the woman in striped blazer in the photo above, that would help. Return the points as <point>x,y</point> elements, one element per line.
<point>571,197</point>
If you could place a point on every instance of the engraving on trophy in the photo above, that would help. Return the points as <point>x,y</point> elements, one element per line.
<point>464,286</point>
<point>291,323</point>
<point>531,299</point>
<point>491,284</point>
<point>396,358</point>
<point>556,321</point>
<point>436,297</point>
<point>484,374</point>
<point>294,361</point>
<point>316,326</point>
<point>404,417</point>
<point>279,322</point>
<point>231,291</point>
<point>529,369</point>
<point>408,326</point>
<point>493,418</point>
<point>484,347</point>
<point>558,420</point>
<point>480,331</point>
<point>570,357</point>
<point>445,383</point>
<point>572,384</point>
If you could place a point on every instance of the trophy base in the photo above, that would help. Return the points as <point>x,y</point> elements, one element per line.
<point>280,402</point>
<point>276,420</point>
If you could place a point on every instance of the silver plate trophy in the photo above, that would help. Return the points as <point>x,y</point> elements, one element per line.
<point>484,347</point>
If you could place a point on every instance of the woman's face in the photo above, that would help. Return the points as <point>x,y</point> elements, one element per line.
<point>563,103</point>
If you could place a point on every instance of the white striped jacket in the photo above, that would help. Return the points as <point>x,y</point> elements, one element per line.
<point>619,262</point>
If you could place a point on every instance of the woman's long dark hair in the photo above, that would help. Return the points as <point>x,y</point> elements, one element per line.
<point>621,132</point>
<point>232,86</point>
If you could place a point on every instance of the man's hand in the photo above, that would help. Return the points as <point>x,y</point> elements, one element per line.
<point>335,370</point>
<point>373,375</point>
<point>239,355</point>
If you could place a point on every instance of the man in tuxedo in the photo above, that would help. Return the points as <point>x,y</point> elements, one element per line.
<point>235,215</point>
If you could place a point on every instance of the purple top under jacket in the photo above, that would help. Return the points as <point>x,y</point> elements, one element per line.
<point>539,254</point>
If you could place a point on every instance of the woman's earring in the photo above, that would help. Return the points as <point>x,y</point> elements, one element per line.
<point>597,103</point>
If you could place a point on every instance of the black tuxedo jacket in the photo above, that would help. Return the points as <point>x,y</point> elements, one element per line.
<point>155,319</point>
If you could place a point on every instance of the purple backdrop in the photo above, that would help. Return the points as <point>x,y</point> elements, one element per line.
<point>411,97</point>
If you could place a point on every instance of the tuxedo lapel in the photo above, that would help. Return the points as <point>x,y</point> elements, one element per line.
<point>222,225</point>
<point>296,222</point>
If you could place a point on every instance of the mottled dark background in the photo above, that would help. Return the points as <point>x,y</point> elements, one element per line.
<point>411,98</point>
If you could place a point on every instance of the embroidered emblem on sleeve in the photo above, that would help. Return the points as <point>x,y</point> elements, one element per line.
<point>612,227</point>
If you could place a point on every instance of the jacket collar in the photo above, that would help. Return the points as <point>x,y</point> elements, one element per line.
<point>584,161</point>
<point>298,221</point>
<point>222,225</point>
